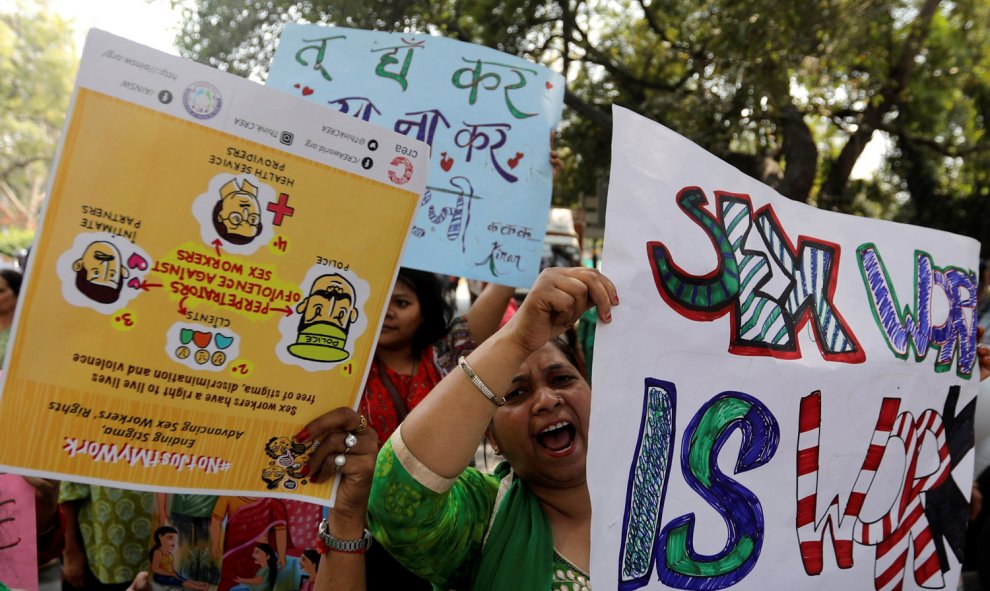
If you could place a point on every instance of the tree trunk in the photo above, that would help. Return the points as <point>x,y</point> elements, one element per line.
<point>832,194</point>
<point>800,156</point>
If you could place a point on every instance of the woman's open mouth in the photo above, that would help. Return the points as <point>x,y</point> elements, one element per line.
<point>558,438</point>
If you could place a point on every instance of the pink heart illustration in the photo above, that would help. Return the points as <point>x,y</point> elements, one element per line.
<point>134,283</point>
<point>137,261</point>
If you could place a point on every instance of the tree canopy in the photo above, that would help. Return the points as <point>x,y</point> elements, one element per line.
<point>790,93</point>
<point>37,69</point>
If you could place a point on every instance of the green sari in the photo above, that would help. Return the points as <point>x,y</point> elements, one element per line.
<point>477,532</point>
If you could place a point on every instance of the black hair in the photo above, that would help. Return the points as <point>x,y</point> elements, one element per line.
<point>13,277</point>
<point>567,344</point>
<point>161,531</point>
<point>272,563</point>
<point>434,309</point>
<point>313,557</point>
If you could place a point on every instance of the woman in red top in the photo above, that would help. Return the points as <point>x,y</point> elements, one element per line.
<point>419,344</point>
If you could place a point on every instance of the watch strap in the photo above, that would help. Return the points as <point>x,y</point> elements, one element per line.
<point>359,546</point>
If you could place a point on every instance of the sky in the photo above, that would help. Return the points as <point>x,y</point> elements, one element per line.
<point>151,23</point>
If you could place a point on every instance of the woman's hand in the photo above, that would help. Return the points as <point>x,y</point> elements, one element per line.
<point>140,583</point>
<point>74,568</point>
<point>983,357</point>
<point>556,164</point>
<point>557,299</point>
<point>331,429</point>
<point>982,354</point>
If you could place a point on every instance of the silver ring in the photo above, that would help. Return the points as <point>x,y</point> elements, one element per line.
<point>350,441</point>
<point>339,461</point>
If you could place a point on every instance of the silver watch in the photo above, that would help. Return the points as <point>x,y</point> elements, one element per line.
<point>332,543</point>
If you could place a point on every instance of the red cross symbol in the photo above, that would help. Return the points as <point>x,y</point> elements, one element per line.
<point>281,209</point>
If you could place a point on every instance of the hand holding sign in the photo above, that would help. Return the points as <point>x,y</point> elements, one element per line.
<point>557,300</point>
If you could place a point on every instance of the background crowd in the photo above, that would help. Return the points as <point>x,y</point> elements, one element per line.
<point>481,464</point>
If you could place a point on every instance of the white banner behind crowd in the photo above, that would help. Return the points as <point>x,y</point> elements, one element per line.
<point>785,396</point>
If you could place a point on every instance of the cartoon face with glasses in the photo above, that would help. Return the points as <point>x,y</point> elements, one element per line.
<point>237,215</point>
<point>100,273</point>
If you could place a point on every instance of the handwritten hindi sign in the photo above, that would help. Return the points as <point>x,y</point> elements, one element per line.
<point>486,115</point>
<point>210,274</point>
<point>785,397</point>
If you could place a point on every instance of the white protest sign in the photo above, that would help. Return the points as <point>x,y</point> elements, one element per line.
<point>785,396</point>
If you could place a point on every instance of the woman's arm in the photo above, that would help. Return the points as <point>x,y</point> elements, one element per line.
<point>281,543</point>
<point>443,431</point>
<point>71,496</point>
<point>433,526</point>
<point>487,311</point>
<point>216,529</point>
<point>156,563</point>
<point>983,358</point>
<point>343,571</point>
<point>74,556</point>
<point>161,503</point>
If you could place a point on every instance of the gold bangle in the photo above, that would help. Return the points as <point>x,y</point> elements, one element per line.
<point>469,372</point>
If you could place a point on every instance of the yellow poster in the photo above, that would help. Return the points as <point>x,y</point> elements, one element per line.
<point>210,274</point>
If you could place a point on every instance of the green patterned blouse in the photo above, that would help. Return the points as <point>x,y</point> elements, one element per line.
<point>4,340</point>
<point>437,527</point>
<point>116,529</point>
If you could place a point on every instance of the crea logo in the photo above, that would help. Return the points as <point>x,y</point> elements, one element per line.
<point>401,171</point>
<point>202,100</point>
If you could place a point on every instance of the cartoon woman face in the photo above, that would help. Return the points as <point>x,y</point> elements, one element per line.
<point>169,542</point>
<point>259,556</point>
